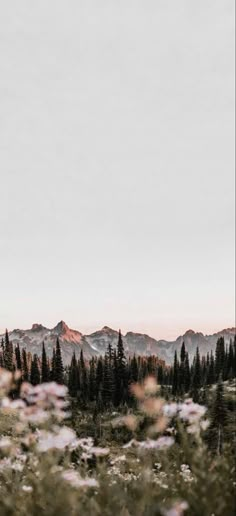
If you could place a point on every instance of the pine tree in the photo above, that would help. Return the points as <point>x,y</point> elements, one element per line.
<point>35,373</point>
<point>44,366</point>
<point>230,361</point>
<point>160,375</point>
<point>133,370</point>
<point>187,378</point>
<point>219,357</point>
<point>53,366</point>
<point>120,374</point>
<point>211,371</point>
<point>218,419</point>
<point>73,383</point>
<point>83,379</point>
<point>59,369</point>
<point>110,353</point>
<point>196,377</point>
<point>107,384</point>
<point>18,357</point>
<point>8,353</point>
<point>175,381</point>
<point>99,376</point>
<point>92,380</point>
<point>181,380</point>
<point>25,368</point>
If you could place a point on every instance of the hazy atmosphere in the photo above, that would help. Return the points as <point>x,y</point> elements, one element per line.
<point>117,165</point>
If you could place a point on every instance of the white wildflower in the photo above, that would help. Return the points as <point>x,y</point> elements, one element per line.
<point>27,489</point>
<point>65,437</point>
<point>170,409</point>
<point>191,412</point>
<point>75,480</point>
<point>160,443</point>
<point>99,452</point>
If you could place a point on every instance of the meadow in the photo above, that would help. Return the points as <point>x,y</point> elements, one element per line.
<point>161,457</point>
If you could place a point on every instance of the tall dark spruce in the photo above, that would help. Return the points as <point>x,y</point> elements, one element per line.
<point>59,369</point>
<point>45,373</point>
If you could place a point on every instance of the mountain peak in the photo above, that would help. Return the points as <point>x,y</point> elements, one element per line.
<point>190,332</point>
<point>108,330</point>
<point>61,327</point>
<point>37,327</point>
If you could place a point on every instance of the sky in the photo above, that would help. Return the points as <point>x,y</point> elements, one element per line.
<point>117,164</point>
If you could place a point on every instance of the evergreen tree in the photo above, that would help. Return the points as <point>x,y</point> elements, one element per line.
<point>73,383</point>
<point>18,357</point>
<point>181,379</point>
<point>219,357</point>
<point>25,369</point>
<point>8,353</point>
<point>120,378</point>
<point>92,380</point>
<point>107,384</point>
<point>160,375</point>
<point>187,378</point>
<point>83,379</point>
<point>35,373</point>
<point>175,381</point>
<point>230,361</point>
<point>45,374</point>
<point>218,419</point>
<point>99,377</point>
<point>110,353</point>
<point>53,366</point>
<point>196,377</point>
<point>133,370</point>
<point>211,370</point>
<point>59,369</point>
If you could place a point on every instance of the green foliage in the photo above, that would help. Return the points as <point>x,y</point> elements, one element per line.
<point>45,373</point>
<point>35,372</point>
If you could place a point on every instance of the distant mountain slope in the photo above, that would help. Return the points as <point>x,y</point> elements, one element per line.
<point>96,343</point>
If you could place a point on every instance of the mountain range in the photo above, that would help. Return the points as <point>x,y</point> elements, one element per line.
<point>96,343</point>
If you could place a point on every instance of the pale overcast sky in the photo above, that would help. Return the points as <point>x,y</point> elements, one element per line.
<point>117,164</point>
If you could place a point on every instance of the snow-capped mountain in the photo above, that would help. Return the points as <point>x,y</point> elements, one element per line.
<point>96,343</point>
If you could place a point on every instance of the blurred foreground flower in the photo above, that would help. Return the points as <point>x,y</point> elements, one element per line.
<point>59,439</point>
<point>75,480</point>
<point>177,510</point>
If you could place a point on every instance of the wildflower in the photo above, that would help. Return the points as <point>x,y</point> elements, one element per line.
<point>150,385</point>
<point>17,466</point>
<point>27,489</point>
<point>75,480</point>
<point>86,456</point>
<point>191,412</point>
<point>131,443</point>
<point>170,409</point>
<point>152,406</point>
<point>99,452</point>
<point>86,443</point>
<point>177,509</point>
<point>120,458</point>
<point>129,421</point>
<point>65,437</point>
<point>160,443</point>
<point>5,463</point>
<point>5,442</point>
<point>6,403</point>
<point>204,424</point>
<point>33,414</point>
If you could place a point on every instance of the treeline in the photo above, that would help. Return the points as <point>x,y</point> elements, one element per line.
<point>205,370</point>
<point>105,381</point>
